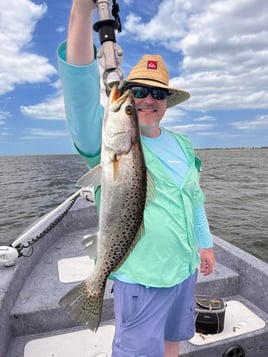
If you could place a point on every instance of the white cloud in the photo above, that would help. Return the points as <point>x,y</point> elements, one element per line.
<point>4,131</point>
<point>164,26</point>
<point>260,123</point>
<point>192,127</point>
<point>168,26</point>
<point>52,108</point>
<point>18,64</point>
<point>49,109</point>
<point>128,2</point>
<point>225,57</point>
<point>34,133</point>
<point>174,115</point>
<point>4,115</point>
<point>218,134</point>
<point>204,118</point>
<point>61,29</point>
<point>224,46</point>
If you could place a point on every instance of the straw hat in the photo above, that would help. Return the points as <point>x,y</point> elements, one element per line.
<point>152,71</point>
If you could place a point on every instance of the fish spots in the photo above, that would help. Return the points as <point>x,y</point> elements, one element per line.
<point>123,179</point>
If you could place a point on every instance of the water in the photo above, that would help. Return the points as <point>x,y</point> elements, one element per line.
<point>31,186</point>
<point>236,186</point>
<point>234,181</point>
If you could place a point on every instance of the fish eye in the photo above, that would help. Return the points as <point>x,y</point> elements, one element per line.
<point>129,110</point>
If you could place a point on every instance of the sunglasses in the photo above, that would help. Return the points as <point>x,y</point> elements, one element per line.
<point>142,92</point>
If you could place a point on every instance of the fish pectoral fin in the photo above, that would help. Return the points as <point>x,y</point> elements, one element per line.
<point>115,168</point>
<point>91,178</point>
<point>90,241</point>
<point>151,188</point>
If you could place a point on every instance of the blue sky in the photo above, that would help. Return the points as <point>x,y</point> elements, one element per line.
<point>215,49</point>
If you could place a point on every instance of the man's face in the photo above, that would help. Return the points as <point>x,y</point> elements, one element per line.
<point>151,108</point>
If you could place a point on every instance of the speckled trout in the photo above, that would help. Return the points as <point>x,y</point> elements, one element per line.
<point>124,182</point>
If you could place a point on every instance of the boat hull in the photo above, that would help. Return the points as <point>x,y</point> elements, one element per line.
<point>31,289</point>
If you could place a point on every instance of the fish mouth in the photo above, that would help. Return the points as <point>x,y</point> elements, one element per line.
<point>117,96</point>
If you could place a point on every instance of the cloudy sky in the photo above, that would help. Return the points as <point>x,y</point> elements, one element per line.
<point>215,49</point>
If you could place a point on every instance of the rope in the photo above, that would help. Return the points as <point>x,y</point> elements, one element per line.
<point>115,13</point>
<point>20,247</point>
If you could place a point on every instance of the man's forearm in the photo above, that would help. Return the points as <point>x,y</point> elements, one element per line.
<point>80,49</point>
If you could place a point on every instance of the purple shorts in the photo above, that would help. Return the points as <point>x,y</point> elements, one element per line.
<point>145,317</point>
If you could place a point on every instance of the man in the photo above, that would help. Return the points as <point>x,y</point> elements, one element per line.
<point>154,288</point>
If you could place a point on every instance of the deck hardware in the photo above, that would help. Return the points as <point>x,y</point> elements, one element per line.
<point>8,255</point>
<point>234,351</point>
<point>235,328</point>
<point>202,336</point>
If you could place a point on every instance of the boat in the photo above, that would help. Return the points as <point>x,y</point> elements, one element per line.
<point>48,259</point>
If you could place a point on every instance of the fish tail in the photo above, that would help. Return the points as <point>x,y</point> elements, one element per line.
<point>84,304</point>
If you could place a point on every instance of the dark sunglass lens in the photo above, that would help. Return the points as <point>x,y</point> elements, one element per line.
<point>159,94</point>
<point>156,93</point>
<point>139,92</point>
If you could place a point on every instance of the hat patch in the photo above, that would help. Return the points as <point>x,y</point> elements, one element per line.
<point>152,65</point>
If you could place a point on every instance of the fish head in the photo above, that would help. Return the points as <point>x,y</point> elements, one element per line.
<point>121,126</point>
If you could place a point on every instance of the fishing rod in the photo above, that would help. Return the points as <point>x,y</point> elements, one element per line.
<point>110,55</point>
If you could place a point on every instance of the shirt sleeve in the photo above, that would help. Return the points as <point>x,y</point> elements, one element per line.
<point>202,230</point>
<point>84,113</point>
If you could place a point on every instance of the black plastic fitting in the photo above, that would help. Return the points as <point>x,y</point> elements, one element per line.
<point>106,30</point>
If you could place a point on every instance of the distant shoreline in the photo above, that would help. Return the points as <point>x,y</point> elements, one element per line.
<point>213,148</point>
<point>236,148</point>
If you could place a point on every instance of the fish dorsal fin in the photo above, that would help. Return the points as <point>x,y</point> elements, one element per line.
<point>151,188</point>
<point>92,178</point>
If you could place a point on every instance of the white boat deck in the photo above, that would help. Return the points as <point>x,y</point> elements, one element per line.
<point>239,320</point>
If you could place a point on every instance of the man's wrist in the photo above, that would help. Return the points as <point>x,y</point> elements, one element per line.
<point>84,8</point>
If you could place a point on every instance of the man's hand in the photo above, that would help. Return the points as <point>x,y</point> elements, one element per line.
<point>207,260</point>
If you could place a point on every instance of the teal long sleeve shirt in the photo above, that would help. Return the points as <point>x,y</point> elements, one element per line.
<point>81,87</point>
